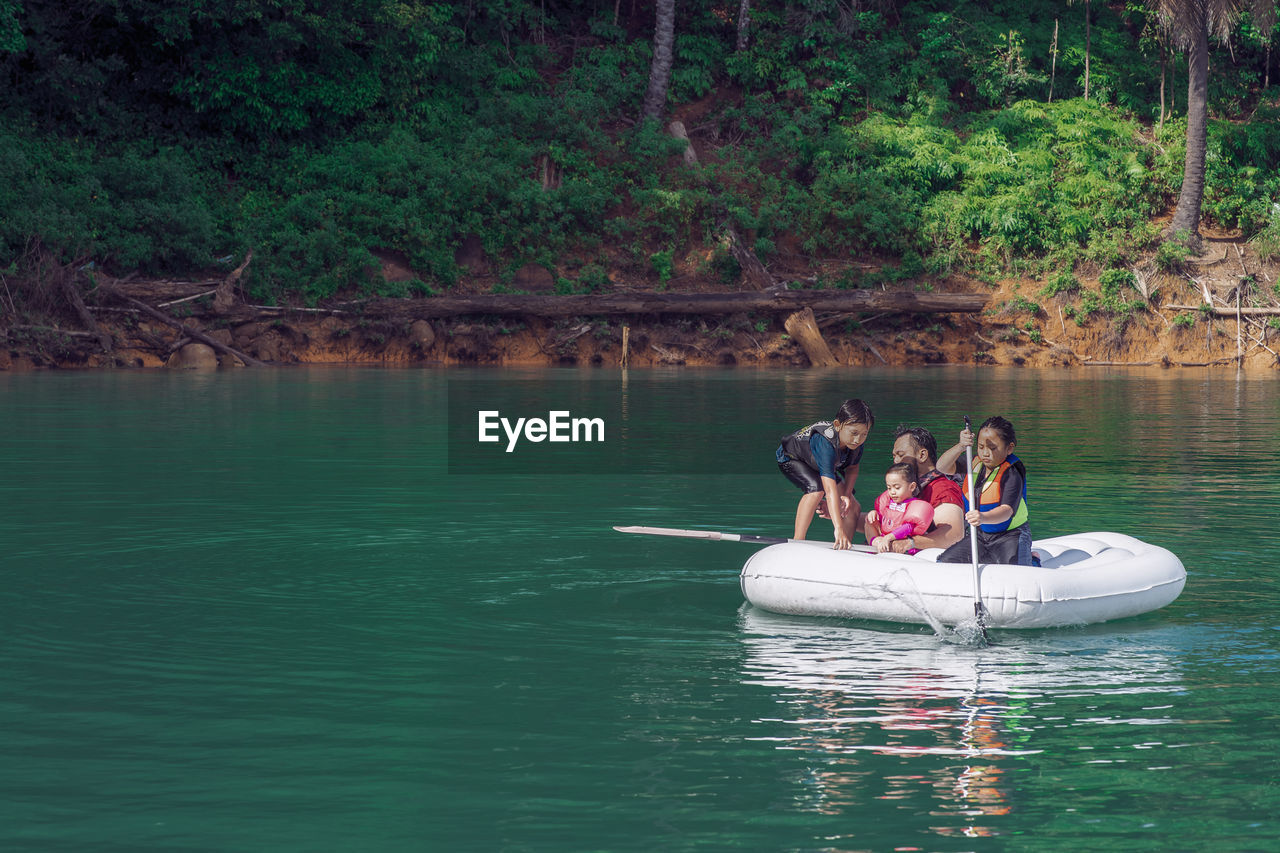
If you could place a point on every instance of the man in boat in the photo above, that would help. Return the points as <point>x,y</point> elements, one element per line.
<point>918,444</point>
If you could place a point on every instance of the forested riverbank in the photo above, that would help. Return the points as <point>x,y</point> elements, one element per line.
<point>362,158</point>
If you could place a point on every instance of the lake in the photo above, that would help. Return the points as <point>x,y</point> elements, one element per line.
<point>302,609</point>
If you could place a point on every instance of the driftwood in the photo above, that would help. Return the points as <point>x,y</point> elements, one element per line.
<point>596,305</point>
<point>190,298</point>
<point>225,297</point>
<point>71,333</point>
<point>194,334</point>
<point>1166,362</point>
<point>1118,363</point>
<point>71,293</point>
<point>752,269</point>
<point>804,328</point>
<point>1218,311</point>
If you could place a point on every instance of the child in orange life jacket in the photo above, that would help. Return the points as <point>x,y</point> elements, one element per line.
<point>822,460</point>
<point>1000,483</point>
<point>899,512</point>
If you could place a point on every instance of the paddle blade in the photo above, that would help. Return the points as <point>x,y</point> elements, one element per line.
<point>672,531</point>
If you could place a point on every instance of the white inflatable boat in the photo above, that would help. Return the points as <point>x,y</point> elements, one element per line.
<point>1084,578</point>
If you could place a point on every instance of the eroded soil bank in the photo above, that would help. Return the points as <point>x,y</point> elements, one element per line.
<point>1169,323</point>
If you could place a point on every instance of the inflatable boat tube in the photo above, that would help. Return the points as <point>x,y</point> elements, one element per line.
<point>1084,578</point>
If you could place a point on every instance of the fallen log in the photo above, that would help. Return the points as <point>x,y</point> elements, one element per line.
<point>594,305</point>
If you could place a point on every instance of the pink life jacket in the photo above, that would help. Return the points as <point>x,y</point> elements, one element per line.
<point>900,520</point>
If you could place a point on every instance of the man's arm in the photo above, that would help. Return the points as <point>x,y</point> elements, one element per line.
<point>948,521</point>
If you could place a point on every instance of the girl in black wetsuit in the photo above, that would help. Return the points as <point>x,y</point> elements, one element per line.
<point>822,461</point>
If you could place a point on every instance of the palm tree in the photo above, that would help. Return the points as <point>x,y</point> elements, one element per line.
<point>664,38</point>
<point>1190,23</point>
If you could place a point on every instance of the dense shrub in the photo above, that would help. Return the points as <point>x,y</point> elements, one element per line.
<point>1243,170</point>
<point>325,134</point>
<point>133,209</point>
<point>322,223</point>
<point>1020,181</point>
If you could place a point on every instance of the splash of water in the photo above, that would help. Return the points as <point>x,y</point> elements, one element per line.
<point>966,633</point>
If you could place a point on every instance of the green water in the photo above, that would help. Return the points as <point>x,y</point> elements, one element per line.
<point>252,611</point>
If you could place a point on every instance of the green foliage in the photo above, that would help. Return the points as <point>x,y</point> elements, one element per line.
<point>698,57</point>
<point>1114,281</point>
<point>11,37</point>
<point>130,209</point>
<point>1008,76</point>
<point>1023,180</point>
<point>328,213</point>
<point>1243,170</point>
<point>258,68</point>
<point>664,265</point>
<point>1184,320</point>
<point>724,265</point>
<point>1267,241</point>
<point>593,279</point>
<point>1062,282</point>
<point>325,134</point>
<point>1172,254</point>
<point>1114,285</point>
<point>1020,305</point>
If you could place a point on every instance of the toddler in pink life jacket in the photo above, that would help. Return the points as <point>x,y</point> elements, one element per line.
<point>899,513</point>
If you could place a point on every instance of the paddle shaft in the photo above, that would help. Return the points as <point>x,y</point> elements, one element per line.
<point>979,612</point>
<point>718,536</point>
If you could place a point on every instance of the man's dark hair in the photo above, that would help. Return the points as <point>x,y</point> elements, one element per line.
<point>921,438</point>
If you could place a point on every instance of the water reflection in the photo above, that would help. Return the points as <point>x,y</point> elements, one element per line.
<point>940,728</point>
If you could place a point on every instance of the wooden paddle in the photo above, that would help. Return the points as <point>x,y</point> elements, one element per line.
<point>717,536</point>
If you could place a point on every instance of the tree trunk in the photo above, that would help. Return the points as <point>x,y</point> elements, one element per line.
<point>1053,53</point>
<point>1088,37</point>
<point>1163,63</point>
<point>804,329</point>
<point>1186,217</point>
<point>752,269</point>
<point>225,295</point>
<point>677,129</point>
<point>744,25</point>
<point>664,38</point>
